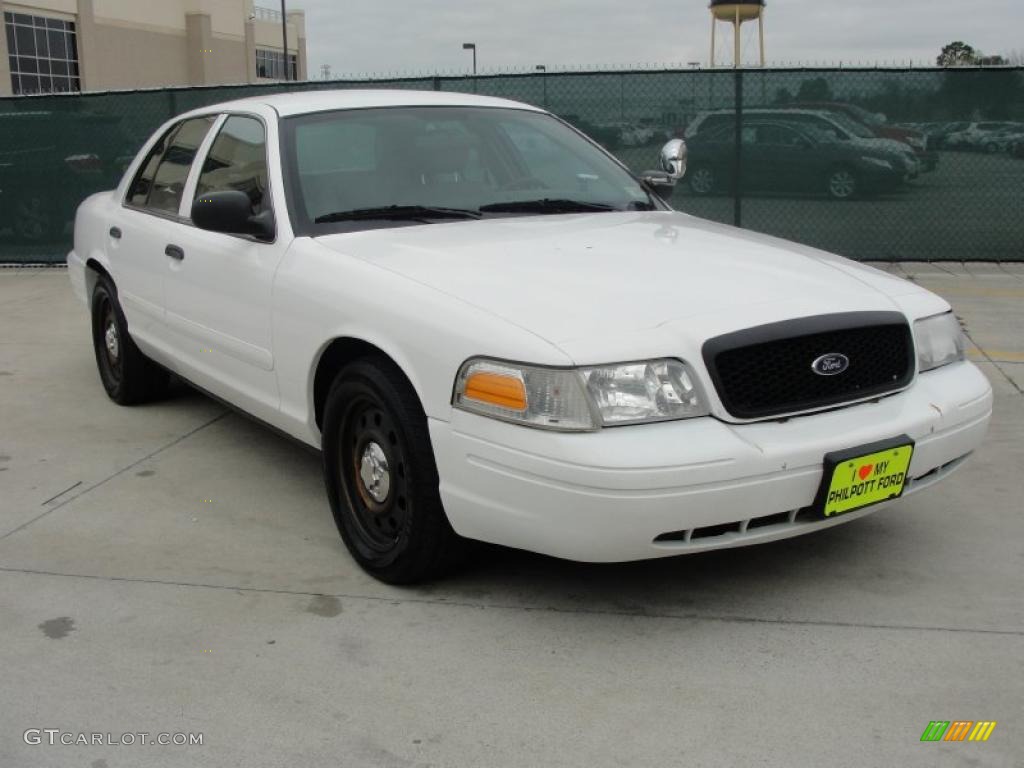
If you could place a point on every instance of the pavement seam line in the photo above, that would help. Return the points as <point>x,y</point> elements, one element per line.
<point>58,495</point>
<point>395,600</point>
<point>119,472</point>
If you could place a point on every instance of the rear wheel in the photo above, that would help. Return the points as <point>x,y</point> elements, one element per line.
<point>702,181</point>
<point>842,184</point>
<point>34,219</point>
<point>381,476</point>
<point>128,376</point>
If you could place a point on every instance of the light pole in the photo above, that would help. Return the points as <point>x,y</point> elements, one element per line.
<point>472,47</point>
<point>284,37</point>
<point>544,79</point>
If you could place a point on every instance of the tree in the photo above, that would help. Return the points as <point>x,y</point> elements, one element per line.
<point>817,89</point>
<point>957,54</point>
<point>783,96</point>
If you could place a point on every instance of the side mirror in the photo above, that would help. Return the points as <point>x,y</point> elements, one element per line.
<point>230,212</point>
<point>660,182</point>
<point>673,159</point>
<point>673,168</point>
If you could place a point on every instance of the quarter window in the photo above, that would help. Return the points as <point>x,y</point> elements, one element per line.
<point>43,54</point>
<point>160,182</point>
<point>238,160</point>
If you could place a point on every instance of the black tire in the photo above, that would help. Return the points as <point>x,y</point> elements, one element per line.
<point>842,184</point>
<point>381,476</point>
<point>35,220</point>
<point>702,180</point>
<point>128,376</point>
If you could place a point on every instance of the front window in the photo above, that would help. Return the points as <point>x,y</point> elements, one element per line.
<point>43,54</point>
<point>343,167</point>
<point>238,161</point>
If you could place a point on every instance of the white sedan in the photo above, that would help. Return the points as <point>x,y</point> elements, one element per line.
<point>494,331</point>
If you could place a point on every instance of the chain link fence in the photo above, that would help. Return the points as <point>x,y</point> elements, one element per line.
<point>897,165</point>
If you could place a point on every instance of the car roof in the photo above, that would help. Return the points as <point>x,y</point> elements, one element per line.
<point>308,102</point>
<point>770,111</point>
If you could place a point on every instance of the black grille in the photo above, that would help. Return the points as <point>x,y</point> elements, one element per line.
<point>766,371</point>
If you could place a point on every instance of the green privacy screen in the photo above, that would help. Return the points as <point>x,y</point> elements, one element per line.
<point>909,165</point>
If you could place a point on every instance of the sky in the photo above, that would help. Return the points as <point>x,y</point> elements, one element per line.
<point>417,37</point>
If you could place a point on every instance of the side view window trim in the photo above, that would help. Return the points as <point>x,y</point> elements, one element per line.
<point>162,146</point>
<point>185,209</point>
<point>155,152</point>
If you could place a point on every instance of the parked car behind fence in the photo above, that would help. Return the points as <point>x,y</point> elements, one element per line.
<point>782,158</point>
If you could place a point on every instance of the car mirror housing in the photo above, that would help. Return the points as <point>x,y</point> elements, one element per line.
<point>673,159</point>
<point>230,212</point>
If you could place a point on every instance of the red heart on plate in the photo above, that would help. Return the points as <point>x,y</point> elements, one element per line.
<point>865,470</point>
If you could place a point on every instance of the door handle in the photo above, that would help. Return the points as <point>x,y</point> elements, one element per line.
<point>175,252</point>
<point>115,232</point>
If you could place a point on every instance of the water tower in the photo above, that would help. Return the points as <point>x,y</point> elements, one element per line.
<point>736,13</point>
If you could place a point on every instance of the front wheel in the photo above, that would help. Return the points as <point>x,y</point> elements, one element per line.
<point>842,184</point>
<point>381,477</point>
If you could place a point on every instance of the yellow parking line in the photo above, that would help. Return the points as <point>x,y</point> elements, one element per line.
<point>996,354</point>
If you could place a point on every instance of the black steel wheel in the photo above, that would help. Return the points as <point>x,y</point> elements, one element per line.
<point>373,464</point>
<point>128,376</point>
<point>381,476</point>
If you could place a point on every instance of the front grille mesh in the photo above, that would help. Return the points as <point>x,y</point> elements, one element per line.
<point>771,377</point>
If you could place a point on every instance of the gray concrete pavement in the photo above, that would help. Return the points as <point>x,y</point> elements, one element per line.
<point>174,568</point>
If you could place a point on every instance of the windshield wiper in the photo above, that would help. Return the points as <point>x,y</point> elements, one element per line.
<point>546,205</point>
<point>398,213</point>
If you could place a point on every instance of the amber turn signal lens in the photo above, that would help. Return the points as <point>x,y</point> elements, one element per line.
<point>496,389</point>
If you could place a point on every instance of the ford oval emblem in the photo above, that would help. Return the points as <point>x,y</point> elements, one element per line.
<point>831,364</point>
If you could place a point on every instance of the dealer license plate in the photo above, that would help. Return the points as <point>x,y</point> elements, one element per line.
<point>863,476</point>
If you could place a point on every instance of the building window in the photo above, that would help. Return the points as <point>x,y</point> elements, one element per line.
<point>270,65</point>
<point>43,54</point>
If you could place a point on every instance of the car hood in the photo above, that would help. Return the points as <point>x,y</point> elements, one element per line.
<point>884,145</point>
<point>589,283</point>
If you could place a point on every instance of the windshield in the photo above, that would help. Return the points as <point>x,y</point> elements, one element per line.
<point>868,118</point>
<point>821,134</point>
<point>857,129</point>
<point>371,168</point>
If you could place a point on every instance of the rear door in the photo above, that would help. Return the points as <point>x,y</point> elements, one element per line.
<point>138,230</point>
<point>218,289</point>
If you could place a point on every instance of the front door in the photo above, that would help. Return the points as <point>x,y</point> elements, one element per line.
<point>218,286</point>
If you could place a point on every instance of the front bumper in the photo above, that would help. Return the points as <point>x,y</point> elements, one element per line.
<point>632,493</point>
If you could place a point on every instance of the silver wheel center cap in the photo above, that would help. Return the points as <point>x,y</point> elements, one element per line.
<point>374,472</point>
<point>110,338</point>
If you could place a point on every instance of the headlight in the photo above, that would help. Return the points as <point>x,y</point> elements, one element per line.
<point>939,341</point>
<point>579,399</point>
<point>877,162</point>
